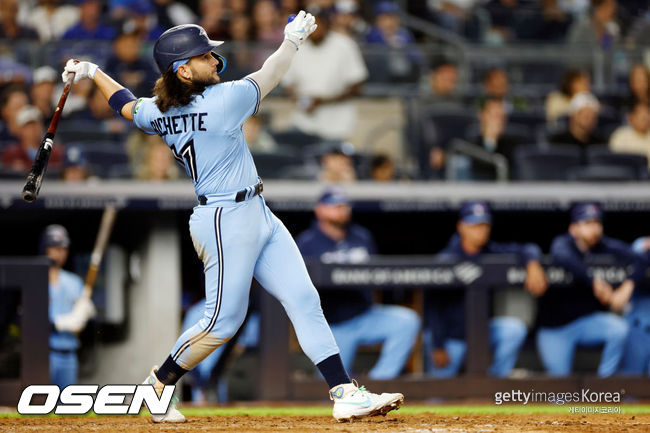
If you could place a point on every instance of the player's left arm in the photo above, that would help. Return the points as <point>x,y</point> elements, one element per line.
<point>119,98</point>
<point>277,65</point>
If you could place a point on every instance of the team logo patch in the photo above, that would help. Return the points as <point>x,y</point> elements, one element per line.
<point>136,107</point>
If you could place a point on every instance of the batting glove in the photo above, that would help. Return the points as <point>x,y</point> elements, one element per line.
<point>299,28</point>
<point>81,70</point>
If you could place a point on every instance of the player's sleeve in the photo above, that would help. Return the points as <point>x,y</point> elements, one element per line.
<point>143,114</point>
<point>242,100</point>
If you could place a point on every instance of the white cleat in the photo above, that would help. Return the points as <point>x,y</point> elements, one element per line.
<point>352,401</point>
<point>172,415</point>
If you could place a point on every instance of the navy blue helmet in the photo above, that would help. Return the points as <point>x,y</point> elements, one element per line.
<point>183,42</point>
<point>54,235</point>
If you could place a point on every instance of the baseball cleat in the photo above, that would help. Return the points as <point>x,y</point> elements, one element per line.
<point>352,401</point>
<point>172,415</point>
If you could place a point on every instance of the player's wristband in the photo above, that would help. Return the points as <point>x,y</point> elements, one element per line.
<point>119,99</point>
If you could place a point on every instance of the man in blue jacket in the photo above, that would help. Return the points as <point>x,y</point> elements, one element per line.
<point>580,315</point>
<point>445,314</point>
<point>352,316</point>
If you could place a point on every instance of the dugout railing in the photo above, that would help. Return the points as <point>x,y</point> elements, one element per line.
<point>477,279</point>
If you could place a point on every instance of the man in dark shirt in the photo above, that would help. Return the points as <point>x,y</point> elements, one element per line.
<point>444,312</point>
<point>579,315</point>
<point>493,137</point>
<point>353,318</point>
<point>583,117</point>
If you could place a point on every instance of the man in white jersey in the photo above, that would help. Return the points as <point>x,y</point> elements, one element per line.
<point>234,233</point>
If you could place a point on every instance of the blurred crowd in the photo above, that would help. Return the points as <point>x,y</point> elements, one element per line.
<point>485,121</point>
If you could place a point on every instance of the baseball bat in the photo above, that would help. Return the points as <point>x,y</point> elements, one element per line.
<point>35,176</point>
<point>105,228</point>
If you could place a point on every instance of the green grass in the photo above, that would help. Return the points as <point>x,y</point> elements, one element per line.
<point>407,409</point>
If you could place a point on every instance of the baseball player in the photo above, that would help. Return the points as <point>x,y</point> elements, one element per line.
<point>69,311</point>
<point>234,233</point>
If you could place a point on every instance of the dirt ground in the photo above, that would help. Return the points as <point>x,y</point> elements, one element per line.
<point>392,423</point>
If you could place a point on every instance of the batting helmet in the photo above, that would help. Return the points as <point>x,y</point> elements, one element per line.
<point>54,236</point>
<point>181,43</point>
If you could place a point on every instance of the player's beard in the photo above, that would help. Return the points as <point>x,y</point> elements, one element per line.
<point>204,81</point>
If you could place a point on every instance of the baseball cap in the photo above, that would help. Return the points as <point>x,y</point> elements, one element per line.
<point>582,100</point>
<point>45,74</point>
<point>28,114</point>
<point>586,212</point>
<point>475,212</point>
<point>55,235</point>
<point>346,6</point>
<point>74,157</point>
<point>333,196</point>
<point>386,7</point>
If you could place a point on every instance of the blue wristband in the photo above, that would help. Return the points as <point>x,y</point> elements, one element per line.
<point>119,99</point>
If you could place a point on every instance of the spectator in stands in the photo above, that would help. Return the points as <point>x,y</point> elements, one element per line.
<point>579,315</point>
<point>42,90</point>
<point>352,316</point>
<point>29,130</point>
<point>90,24</point>
<point>9,26</point>
<point>496,85</point>
<point>583,116</point>
<point>213,15</point>
<point>141,21</point>
<point>324,79</point>
<point>337,165</point>
<point>444,311</point>
<point>158,163</point>
<point>635,136</point>
<point>257,136</point>
<point>401,58</point>
<point>128,67</point>
<point>599,28</point>
<point>550,24</point>
<point>494,138</point>
<point>503,17</point>
<point>267,22</point>
<point>51,19</point>
<point>639,82</point>
<point>347,20</point>
<point>99,117</point>
<point>443,81</point>
<point>12,100</point>
<point>636,358</point>
<point>382,168</point>
<point>454,15</point>
<point>558,102</point>
<point>240,60</point>
<point>75,166</point>
<point>172,13</point>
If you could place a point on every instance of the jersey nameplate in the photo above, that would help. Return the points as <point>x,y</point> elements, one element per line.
<point>179,124</point>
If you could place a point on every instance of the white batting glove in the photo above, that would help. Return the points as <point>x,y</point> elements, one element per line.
<point>76,319</point>
<point>81,70</point>
<point>299,28</point>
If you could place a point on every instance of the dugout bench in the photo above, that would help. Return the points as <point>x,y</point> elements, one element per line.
<point>492,272</point>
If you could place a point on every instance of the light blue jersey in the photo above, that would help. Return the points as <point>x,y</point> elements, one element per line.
<point>63,295</point>
<point>206,135</point>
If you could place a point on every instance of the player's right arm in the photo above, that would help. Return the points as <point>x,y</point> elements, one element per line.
<point>118,97</point>
<point>274,68</point>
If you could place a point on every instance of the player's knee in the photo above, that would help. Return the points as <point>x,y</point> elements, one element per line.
<point>617,330</point>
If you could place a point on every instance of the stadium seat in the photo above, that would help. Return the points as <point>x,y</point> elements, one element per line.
<point>552,163</point>
<point>106,160</point>
<point>601,155</point>
<point>274,165</point>
<point>602,173</point>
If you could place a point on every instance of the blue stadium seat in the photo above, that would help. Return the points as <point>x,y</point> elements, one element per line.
<point>601,155</point>
<point>602,173</point>
<point>546,164</point>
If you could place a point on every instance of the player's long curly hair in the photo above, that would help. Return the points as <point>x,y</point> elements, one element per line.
<point>170,91</point>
